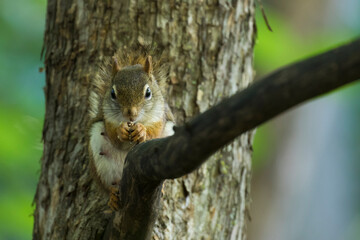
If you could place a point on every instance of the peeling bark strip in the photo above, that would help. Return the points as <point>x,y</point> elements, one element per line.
<point>210,47</point>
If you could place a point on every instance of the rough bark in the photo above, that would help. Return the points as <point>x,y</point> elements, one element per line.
<point>210,45</point>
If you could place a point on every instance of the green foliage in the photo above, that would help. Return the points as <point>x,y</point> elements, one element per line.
<point>284,46</point>
<point>20,151</point>
<point>21,113</point>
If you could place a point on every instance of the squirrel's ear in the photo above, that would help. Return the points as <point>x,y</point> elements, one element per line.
<point>148,65</point>
<point>115,67</point>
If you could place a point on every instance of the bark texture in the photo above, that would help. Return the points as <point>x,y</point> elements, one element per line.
<point>209,45</point>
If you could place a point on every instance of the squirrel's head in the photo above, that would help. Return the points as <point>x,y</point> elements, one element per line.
<point>134,94</point>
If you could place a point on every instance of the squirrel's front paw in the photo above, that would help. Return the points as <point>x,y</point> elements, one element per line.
<point>123,132</point>
<point>138,133</point>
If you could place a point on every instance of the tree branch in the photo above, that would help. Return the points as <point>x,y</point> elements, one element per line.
<point>183,152</point>
<point>151,162</point>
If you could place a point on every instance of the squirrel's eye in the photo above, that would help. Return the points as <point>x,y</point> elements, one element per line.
<point>113,96</point>
<point>148,93</point>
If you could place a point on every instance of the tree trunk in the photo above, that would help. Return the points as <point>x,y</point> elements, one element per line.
<point>210,47</point>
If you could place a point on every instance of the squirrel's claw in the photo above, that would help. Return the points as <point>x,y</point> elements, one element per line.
<point>138,133</point>
<point>114,199</point>
<point>123,132</point>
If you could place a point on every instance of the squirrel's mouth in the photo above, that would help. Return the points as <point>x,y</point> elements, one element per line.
<point>133,118</point>
<point>136,118</point>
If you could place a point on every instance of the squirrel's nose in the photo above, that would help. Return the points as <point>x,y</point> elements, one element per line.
<point>132,112</point>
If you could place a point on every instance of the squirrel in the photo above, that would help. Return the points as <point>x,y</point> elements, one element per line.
<point>127,107</point>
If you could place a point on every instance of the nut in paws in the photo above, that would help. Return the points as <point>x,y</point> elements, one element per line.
<point>138,133</point>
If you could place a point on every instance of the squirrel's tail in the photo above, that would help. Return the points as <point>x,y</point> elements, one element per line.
<point>125,56</point>
<point>100,84</point>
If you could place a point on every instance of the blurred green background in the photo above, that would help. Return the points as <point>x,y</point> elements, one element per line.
<point>22,107</point>
<point>303,160</point>
<point>306,168</point>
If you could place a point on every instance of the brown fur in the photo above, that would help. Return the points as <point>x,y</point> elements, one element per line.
<point>155,130</point>
<point>125,57</point>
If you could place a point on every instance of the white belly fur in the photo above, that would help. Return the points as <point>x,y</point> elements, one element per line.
<point>109,166</point>
<point>168,129</point>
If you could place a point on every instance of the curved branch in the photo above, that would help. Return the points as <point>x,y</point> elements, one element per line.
<point>193,143</point>
<point>151,162</point>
